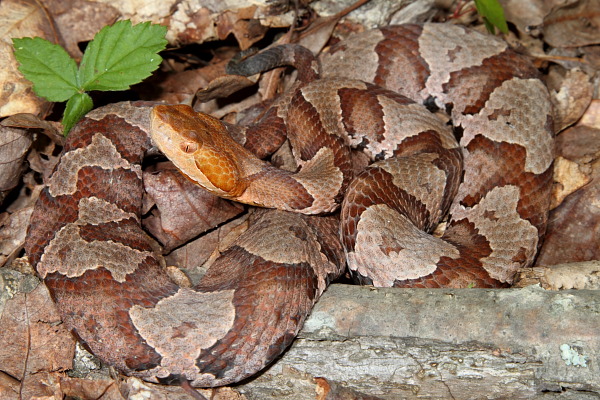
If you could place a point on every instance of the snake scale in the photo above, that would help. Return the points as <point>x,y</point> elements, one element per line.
<point>107,276</point>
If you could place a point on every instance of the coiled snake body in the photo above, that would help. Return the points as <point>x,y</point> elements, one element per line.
<point>107,276</point>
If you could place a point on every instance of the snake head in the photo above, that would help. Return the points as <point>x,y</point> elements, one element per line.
<point>199,146</point>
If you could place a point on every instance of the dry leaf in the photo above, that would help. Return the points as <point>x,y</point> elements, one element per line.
<point>179,277</point>
<point>571,94</point>
<point>573,231</point>
<point>13,227</point>
<point>567,179</point>
<point>591,117</point>
<point>184,209</point>
<point>42,156</point>
<point>14,144</point>
<point>141,11</point>
<point>180,87</point>
<point>530,14</point>
<point>190,21</point>
<point>242,24</point>
<point>577,275</point>
<point>20,18</point>
<point>102,389</point>
<point>573,25</point>
<point>198,255</point>
<point>378,13</point>
<point>591,57</point>
<point>329,390</point>
<point>9,387</point>
<point>138,389</point>
<point>33,339</point>
<point>224,86</point>
<point>283,158</point>
<point>72,18</point>
<point>27,120</point>
<point>318,35</point>
<point>41,386</point>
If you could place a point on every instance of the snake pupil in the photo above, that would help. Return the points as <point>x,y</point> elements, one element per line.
<point>189,147</point>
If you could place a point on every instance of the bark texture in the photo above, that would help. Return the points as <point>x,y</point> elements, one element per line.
<point>444,343</point>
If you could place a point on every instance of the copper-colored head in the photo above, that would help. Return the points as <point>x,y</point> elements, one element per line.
<point>200,146</point>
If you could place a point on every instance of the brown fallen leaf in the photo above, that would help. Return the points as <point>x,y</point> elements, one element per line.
<point>319,32</point>
<point>224,86</point>
<point>41,386</point>
<point>573,25</point>
<point>72,19</point>
<point>329,390</point>
<point>180,87</point>
<point>242,24</point>
<point>591,57</point>
<point>184,210</point>
<point>576,275</point>
<point>207,22</point>
<point>104,389</point>
<point>591,117</point>
<point>14,144</point>
<point>528,15</point>
<point>9,387</point>
<point>195,257</point>
<point>31,121</point>
<point>135,388</point>
<point>20,18</point>
<point>183,86</point>
<point>182,74</point>
<point>33,339</point>
<point>568,178</point>
<point>13,227</point>
<point>571,93</point>
<point>573,231</point>
<point>284,158</point>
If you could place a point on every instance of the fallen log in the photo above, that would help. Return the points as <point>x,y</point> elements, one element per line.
<point>443,343</point>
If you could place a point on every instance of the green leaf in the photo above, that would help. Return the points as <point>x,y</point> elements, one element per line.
<point>48,66</point>
<point>77,107</point>
<point>493,15</point>
<point>121,55</point>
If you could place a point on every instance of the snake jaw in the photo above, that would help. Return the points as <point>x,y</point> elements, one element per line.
<point>218,168</point>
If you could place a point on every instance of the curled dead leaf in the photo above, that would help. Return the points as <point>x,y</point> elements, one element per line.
<point>198,255</point>
<point>576,275</point>
<point>528,15</point>
<point>14,145</point>
<point>33,340</point>
<point>31,121</point>
<point>572,233</point>
<point>13,227</point>
<point>573,24</point>
<point>591,117</point>
<point>571,94</point>
<point>224,86</point>
<point>20,19</point>
<point>567,179</point>
<point>72,19</point>
<point>242,24</point>
<point>184,210</point>
<point>329,390</point>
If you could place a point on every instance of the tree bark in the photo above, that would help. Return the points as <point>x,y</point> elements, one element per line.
<point>443,343</point>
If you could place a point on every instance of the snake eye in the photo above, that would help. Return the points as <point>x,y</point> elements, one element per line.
<point>189,147</point>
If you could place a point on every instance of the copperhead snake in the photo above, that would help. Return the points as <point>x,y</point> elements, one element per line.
<point>107,277</point>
